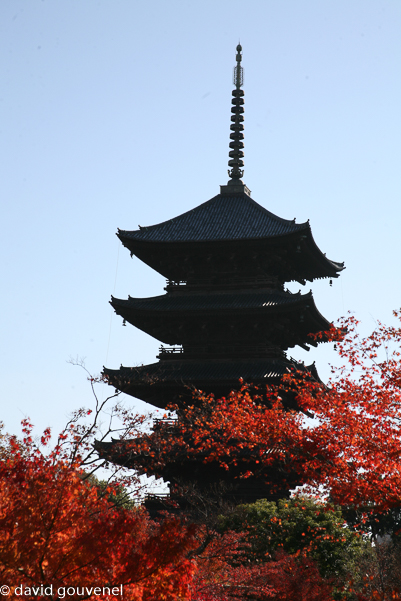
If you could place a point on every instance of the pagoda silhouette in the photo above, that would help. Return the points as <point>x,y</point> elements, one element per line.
<point>225,317</point>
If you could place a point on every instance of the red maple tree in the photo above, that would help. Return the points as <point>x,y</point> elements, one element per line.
<point>352,448</point>
<point>57,530</point>
<point>222,575</point>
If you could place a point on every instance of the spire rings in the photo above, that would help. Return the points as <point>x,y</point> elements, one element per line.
<point>236,136</point>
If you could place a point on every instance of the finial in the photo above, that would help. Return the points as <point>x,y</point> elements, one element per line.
<point>236,154</point>
<point>238,70</point>
<point>236,136</point>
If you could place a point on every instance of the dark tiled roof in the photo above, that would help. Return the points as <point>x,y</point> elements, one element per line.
<point>166,372</point>
<point>211,301</point>
<point>221,218</point>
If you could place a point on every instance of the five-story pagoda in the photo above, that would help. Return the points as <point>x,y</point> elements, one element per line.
<point>225,313</point>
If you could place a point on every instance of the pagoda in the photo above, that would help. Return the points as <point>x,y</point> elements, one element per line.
<point>225,315</point>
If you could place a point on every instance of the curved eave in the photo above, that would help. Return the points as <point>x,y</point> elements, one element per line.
<point>134,243</point>
<point>158,381</point>
<point>123,452</point>
<point>329,268</point>
<point>232,301</point>
<point>162,383</point>
<point>303,260</point>
<point>173,319</point>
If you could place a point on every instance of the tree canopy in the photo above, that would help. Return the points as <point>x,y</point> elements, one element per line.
<point>352,449</point>
<point>59,528</point>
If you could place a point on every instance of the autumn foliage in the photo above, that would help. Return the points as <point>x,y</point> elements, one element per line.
<point>286,578</point>
<point>57,527</point>
<point>352,447</point>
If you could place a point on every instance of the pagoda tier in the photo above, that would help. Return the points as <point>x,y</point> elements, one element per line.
<point>230,236</point>
<point>166,382</point>
<point>270,483</point>
<point>218,319</point>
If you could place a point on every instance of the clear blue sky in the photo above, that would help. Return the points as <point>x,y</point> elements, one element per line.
<point>116,113</point>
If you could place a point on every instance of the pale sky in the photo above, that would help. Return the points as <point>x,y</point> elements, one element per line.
<point>116,113</point>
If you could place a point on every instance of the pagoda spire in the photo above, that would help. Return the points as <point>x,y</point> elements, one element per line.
<point>236,154</point>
